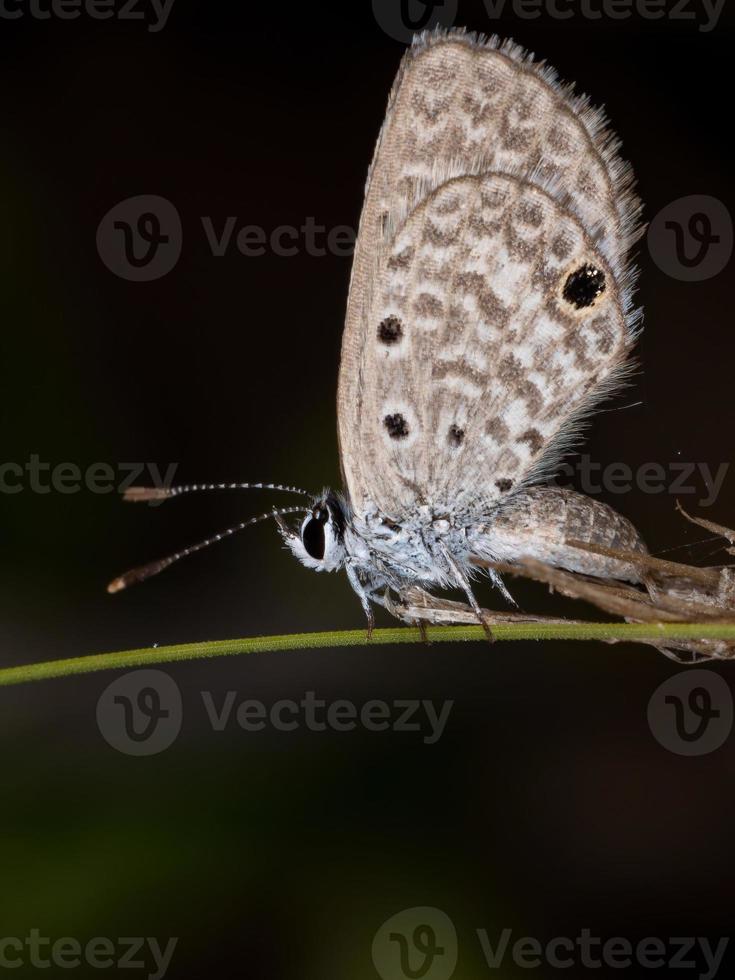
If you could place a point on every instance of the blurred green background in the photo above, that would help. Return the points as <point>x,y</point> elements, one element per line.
<point>547,806</point>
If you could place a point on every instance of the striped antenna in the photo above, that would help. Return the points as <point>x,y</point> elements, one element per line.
<point>141,494</point>
<point>154,567</point>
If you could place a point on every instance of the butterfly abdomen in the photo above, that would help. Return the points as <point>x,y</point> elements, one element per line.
<point>564,528</point>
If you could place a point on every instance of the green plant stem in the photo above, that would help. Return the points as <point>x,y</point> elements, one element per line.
<point>352,638</point>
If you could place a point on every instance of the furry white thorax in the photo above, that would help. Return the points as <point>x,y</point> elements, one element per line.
<point>412,552</point>
<point>380,554</point>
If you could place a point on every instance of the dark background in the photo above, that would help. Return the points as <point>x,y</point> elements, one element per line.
<point>548,806</point>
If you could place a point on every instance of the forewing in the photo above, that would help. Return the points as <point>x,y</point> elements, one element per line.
<point>461,364</point>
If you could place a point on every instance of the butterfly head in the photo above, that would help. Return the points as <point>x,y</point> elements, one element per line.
<point>319,541</point>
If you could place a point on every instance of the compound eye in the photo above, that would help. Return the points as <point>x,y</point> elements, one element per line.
<point>312,535</point>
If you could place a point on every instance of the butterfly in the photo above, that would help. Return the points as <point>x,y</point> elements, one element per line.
<point>490,309</point>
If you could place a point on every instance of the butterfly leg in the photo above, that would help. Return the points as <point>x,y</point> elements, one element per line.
<point>417,608</point>
<point>414,605</point>
<point>363,596</point>
<point>464,583</point>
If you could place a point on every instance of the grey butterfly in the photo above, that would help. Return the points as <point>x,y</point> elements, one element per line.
<point>490,309</point>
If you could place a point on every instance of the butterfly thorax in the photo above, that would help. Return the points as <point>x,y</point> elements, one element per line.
<point>418,550</point>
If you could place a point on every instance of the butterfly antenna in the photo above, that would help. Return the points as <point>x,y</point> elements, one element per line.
<point>141,494</point>
<point>153,568</point>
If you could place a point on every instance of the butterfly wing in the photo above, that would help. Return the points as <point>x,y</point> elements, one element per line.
<point>490,296</point>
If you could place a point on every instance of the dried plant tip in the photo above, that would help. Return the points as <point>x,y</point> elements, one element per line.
<point>719,529</point>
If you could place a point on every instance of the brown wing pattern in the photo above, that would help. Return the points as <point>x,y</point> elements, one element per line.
<point>462,361</point>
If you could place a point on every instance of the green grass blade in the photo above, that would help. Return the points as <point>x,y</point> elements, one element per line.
<point>149,656</point>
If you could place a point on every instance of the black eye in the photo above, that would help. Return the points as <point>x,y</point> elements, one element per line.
<point>313,537</point>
